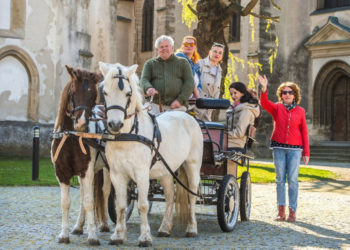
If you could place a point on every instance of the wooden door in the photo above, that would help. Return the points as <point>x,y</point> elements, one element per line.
<point>341,110</point>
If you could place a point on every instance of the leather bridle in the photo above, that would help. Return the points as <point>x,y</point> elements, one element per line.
<point>121,87</point>
<point>80,107</point>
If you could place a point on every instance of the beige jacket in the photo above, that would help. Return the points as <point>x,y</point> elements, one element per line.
<point>210,86</point>
<point>243,115</point>
<point>210,82</point>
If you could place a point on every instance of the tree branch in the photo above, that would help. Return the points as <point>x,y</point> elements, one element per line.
<point>273,18</point>
<point>247,10</point>
<point>193,10</point>
<point>275,5</point>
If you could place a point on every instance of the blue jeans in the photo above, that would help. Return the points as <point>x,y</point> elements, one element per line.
<point>287,166</point>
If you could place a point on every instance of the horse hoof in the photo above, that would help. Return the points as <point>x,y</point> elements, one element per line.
<point>94,242</point>
<point>191,235</point>
<point>145,243</point>
<point>63,240</point>
<point>115,242</point>
<point>78,231</point>
<point>104,228</point>
<point>163,234</point>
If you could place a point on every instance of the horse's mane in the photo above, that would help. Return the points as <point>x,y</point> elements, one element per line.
<point>64,99</point>
<point>135,85</point>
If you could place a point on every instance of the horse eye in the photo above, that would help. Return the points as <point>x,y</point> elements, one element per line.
<point>128,94</point>
<point>104,93</point>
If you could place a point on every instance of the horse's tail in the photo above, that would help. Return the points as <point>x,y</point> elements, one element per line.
<point>182,200</point>
<point>98,197</point>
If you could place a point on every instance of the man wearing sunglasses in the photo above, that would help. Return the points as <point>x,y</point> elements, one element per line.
<point>168,76</point>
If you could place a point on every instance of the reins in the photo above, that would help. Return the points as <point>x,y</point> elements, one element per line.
<point>120,137</point>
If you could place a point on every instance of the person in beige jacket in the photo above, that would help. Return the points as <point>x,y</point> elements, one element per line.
<point>211,74</point>
<point>245,109</point>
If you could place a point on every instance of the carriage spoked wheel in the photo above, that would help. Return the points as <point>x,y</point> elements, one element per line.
<point>245,196</point>
<point>112,200</point>
<point>228,203</point>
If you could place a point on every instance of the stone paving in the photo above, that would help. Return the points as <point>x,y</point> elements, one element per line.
<point>30,218</point>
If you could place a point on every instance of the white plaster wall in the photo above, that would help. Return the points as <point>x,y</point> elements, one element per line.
<point>13,90</point>
<point>100,30</point>
<point>5,14</point>
<point>294,25</point>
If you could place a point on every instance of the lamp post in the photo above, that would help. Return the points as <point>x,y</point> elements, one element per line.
<point>35,159</point>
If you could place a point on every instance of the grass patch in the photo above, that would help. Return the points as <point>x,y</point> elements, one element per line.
<point>265,173</point>
<point>18,172</point>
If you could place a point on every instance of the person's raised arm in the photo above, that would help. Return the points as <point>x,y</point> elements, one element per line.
<point>265,103</point>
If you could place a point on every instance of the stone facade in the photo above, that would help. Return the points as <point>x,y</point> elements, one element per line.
<point>37,38</point>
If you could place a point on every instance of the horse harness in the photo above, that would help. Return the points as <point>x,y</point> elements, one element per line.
<point>121,87</point>
<point>153,144</point>
<point>79,107</point>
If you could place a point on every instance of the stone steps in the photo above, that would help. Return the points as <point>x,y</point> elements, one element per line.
<point>331,152</point>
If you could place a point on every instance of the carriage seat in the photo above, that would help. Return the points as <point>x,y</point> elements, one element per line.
<point>212,103</point>
<point>212,125</point>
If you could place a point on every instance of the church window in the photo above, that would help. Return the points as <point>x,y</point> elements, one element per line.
<point>235,28</point>
<point>147,25</point>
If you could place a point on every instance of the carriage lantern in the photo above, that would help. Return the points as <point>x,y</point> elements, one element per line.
<point>35,159</point>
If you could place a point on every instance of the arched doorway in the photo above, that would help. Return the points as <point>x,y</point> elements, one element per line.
<point>341,109</point>
<point>331,101</point>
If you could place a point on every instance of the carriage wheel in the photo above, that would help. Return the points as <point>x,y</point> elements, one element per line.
<point>228,203</point>
<point>112,202</point>
<point>245,196</point>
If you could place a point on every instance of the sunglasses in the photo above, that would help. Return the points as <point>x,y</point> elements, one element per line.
<point>285,92</point>
<point>189,44</point>
<point>215,44</point>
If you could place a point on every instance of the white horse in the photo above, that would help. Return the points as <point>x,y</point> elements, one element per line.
<point>181,146</point>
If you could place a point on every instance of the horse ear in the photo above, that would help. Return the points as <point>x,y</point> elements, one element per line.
<point>103,68</point>
<point>98,77</point>
<point>131,70</point>
<point>70,71</point>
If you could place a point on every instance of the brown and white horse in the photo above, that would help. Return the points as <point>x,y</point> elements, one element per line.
<point>76,103</point>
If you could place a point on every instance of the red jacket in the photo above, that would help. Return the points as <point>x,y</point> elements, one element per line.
<point>289,125</point>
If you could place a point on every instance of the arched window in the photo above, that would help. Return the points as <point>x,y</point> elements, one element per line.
<point>147,25</point>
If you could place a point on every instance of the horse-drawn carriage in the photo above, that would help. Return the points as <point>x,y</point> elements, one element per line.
<point>219,184</point>
<point>139,148</point>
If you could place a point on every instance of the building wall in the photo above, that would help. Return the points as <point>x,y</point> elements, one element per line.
<point>37,39</point>
<point>46,35</point>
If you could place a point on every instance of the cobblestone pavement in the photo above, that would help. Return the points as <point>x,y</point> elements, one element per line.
<point>30,218</point>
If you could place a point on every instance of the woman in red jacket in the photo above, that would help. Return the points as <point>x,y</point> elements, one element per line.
<point>289,141</point>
